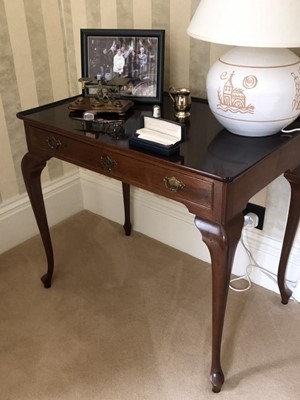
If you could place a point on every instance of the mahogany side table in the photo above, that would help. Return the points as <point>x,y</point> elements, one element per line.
<point>214,176</point>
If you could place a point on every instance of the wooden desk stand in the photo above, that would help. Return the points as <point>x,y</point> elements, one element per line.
<point>215,175</point>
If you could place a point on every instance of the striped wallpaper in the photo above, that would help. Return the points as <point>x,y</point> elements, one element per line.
<point>40,61</point>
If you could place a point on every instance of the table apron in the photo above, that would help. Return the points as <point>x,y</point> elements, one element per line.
<point>202,196</point>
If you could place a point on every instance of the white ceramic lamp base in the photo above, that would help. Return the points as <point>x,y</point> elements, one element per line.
<point>255,91</point>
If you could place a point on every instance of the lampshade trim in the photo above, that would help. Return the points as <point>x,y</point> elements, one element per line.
<point>261,122</point>
<point>258,67</point>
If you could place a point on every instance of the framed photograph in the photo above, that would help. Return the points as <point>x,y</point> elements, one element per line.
<point>135,57</point>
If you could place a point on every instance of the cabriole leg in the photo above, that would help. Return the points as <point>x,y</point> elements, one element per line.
<point>126,201</point>
<point>32,167</point>
<point>290,232</point>
<point>221,242</point>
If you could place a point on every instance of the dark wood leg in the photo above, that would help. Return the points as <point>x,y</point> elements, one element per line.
<point>126,201</point>
<point>32,167</point>
<point>291,227</point>
<point>221,242</point>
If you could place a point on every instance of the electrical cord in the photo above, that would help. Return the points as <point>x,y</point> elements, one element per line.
<point>254,264</point>
<point>290,130</point>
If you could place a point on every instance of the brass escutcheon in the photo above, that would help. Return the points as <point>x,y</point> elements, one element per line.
<point>173,184</point>
<point>53,143</point>
<point>107,163</point>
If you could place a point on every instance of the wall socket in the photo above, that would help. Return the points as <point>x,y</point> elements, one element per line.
<point>259,211</point>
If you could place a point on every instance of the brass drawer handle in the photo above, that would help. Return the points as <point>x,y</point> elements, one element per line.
<point>173,184</point>
<point>107,163</point>
<point>53,143</point>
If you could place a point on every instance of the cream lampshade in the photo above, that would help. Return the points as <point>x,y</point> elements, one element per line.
<point>254,89</point>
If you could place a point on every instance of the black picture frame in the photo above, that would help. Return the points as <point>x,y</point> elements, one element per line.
<point>143,68</point>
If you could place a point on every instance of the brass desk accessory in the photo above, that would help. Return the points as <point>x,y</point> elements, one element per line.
<point>182,102</point>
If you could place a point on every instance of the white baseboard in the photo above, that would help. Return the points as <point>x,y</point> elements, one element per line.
<point>172,224</point>
<point>63,198</point>
<point>266,252</point>
<point>155,216</point>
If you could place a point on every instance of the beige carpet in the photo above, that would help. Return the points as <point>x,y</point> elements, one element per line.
<point>128,318</point>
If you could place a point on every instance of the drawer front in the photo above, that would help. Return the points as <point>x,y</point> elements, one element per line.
<point>131,167</point>
<point>180,186</point>
<point>158,178</point>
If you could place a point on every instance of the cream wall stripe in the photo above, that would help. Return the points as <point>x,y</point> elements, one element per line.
<point>8,184</point>
<point>179,63</point>
<point>47,23</point>
<point>124,14</point>
<point>142,14</point>
<point>68,167</point>
<point>39,50</point>
<point>79,10</point>
<point>161,20</point>
<point>108,10</point>
<point>66,22</point>
<point>54,39</point>
<point>93,16</point>
<point>15,15</point>
<point>10,99</point>
<point>55,168</point>
<point>199,61</point>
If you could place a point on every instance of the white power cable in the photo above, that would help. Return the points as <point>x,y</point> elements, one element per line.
<point>251,221</point>
<point>290,130</point>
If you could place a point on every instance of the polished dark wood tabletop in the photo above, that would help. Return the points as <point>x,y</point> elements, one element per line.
<point>207,147</point>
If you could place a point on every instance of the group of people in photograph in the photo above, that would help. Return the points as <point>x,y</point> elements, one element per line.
<point>123,57</point>
<point>130,63</point>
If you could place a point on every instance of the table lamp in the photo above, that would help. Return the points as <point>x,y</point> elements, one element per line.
<point>254,89</point>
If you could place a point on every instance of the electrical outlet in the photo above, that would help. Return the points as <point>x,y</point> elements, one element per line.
<point>259,211</point>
